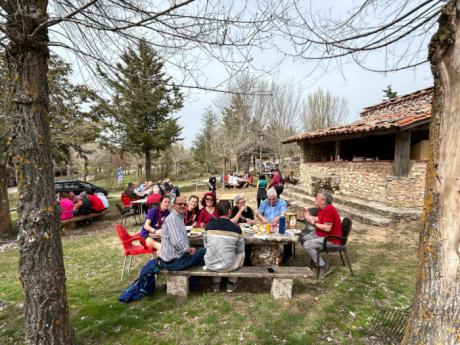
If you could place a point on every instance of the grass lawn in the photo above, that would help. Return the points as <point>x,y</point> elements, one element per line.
<point>336,309</point>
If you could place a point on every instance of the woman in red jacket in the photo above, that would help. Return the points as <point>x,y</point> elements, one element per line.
<point>208,211</point>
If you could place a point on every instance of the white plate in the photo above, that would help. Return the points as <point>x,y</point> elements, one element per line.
<point>189,228</point>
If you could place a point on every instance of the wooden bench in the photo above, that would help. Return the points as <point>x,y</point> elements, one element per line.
<point>177,282</point>
<point>72,222</point>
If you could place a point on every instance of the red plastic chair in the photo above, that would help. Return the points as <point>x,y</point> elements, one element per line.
<point>131,249</point>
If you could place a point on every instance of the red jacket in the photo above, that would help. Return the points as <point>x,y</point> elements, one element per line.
<point>96,203</point>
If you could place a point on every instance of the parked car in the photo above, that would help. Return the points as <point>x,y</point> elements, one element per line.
<point>77,187</point>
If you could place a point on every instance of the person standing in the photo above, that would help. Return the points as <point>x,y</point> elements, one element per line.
<point>261,189</point>
<point>277,182</point>
<point>224,246</point>
<point>212,184</point>
<point>175,252</point>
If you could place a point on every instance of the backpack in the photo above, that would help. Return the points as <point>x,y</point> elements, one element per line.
<point>142,286</point>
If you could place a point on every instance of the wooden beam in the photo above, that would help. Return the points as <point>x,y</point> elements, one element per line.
<point>402,154</point>
<point>337,150</point>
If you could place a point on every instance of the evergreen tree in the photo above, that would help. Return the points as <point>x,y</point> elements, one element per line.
<point>143,103</point>
<point>204,150</point>
<point>388,93</point>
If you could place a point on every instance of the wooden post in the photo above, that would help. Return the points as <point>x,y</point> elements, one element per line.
<point>402,154</point>
<point>337,150</point>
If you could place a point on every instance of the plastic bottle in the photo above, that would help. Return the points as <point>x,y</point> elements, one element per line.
<point>282,225</point>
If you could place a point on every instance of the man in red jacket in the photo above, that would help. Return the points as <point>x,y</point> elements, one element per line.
<point>96,203</point>
<point>327,223</point>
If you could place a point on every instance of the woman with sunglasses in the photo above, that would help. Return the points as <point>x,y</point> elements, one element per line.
<point>208,211</point>
<point>193,210</point>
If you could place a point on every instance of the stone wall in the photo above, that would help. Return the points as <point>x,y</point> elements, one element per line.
<point>370,180</point>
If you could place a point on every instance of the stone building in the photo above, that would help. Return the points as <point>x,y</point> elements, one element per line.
<point>379,158</point>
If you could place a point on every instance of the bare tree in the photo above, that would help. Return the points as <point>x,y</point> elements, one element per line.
<point>180,156</point>
<point>285,106</point>
<point>400,30</point>
<point>323,110</point>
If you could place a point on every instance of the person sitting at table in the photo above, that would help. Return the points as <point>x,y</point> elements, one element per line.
<point>270,212</point>
<point>66,206</point>
<point>104,199</point>
<point>192,211</point>
<point>208,211</point>
<point>271,209</point>
<point>130,191</point>
<point>240,212</point>
<point>175,251</point>
<point>96,204</point>
<point>139,191</point>
<point>153,222</point>
<point>224,245</point>
<point>154,199</point>
<point>261,189</point>
<point>327,223</point>
<point>82,206</point>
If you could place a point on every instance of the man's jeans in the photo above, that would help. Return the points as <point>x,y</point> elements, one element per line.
<point>313,241</point>
<point>186,261</point>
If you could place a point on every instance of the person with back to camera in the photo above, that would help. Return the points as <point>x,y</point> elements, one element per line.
<point>261,189</point>
<point>224,245</point>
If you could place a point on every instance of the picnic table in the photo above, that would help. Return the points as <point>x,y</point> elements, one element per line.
<point>267,248</point>
<point>140,205</point>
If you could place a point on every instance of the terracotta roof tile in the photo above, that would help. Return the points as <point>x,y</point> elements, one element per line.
<point>400,112</point>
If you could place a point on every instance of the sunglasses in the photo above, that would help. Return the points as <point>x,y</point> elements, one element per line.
<point>181,203</point>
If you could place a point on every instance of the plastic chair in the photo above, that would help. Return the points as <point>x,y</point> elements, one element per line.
<point>340,248</point>
<point>131,249</point>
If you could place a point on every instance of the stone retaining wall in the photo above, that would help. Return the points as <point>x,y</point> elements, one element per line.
<point>370,180</point>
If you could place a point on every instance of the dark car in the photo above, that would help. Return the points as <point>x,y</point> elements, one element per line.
<point>77,187</point>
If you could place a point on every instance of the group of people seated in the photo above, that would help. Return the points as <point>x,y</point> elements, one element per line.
<point>224,249</point>
<point>87,202</point>
<point>154,192</point>
<point>236,181</point>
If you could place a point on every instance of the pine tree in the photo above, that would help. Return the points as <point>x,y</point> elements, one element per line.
<point>203,149</point>
<point>388,93</point>
<point>143,104</point>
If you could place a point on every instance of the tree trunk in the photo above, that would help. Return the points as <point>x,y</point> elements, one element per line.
<point>148,165</point>
<point>41,264</point>
<point>85,168</point>
<point>435,315</point>
<point>5,216</point>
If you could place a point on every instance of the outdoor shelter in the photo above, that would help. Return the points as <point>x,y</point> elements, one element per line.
<point>381,157</point>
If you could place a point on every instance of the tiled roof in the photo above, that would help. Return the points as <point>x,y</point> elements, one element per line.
<point>399,113</point>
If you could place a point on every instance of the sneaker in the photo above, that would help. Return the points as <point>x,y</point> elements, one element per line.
<point>325,270</point>
<point>215,287</point>
<point>231,286</point>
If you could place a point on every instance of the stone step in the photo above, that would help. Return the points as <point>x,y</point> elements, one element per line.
<point>296,201</point>
<point>395,213</point>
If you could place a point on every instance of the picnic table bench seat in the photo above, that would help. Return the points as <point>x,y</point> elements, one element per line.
<point>71,223</point>
<point>177,282</point>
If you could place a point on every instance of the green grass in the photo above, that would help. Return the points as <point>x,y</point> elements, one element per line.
<point>334,310</point>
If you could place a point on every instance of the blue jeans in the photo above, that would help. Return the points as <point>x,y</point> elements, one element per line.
<point>186,261</point>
